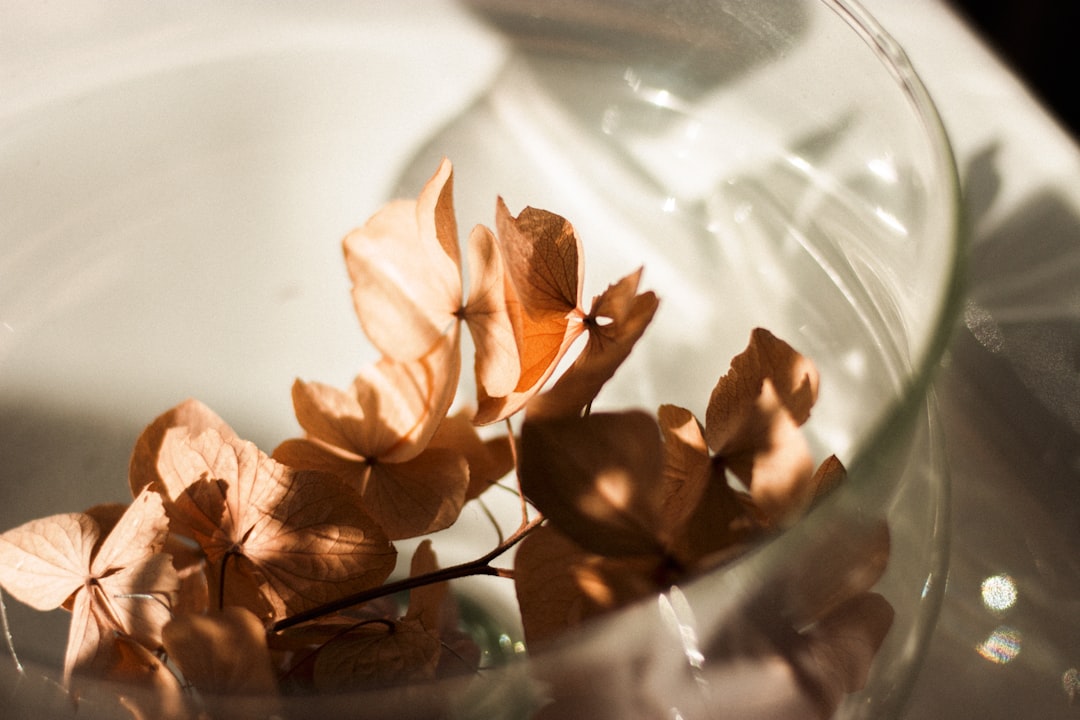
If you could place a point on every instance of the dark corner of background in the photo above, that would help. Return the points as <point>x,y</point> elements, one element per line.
<point>1035,38</point>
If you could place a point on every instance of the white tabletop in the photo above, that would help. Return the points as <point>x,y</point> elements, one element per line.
<point>1009,389</point>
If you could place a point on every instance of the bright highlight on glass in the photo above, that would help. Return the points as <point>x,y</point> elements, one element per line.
<point>999,593</point>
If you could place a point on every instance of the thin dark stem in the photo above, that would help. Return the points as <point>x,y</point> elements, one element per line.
<point>479,566</point>
<point>514,459</point>
<point>492,519</point>
<point>7,635</point>
<point>221,580</point>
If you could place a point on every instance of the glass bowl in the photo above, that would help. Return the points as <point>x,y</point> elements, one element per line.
<point>176,183</point>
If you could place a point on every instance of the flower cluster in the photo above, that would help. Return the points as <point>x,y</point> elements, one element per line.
<point>234,572</point>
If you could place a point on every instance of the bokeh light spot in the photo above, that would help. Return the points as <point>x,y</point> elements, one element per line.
<point>999,593</point>
<point>1001,647</point>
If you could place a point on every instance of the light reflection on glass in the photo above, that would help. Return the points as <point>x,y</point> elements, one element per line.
<point>999,593</point>
<point>1002,646</point>
<point>891,220</point>
<point>679,617</point>
<point>883,168</point>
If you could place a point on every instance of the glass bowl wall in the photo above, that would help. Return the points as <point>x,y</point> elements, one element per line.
<point>175,183</point>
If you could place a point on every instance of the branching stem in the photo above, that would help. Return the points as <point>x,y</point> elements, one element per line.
<point>479,566</point>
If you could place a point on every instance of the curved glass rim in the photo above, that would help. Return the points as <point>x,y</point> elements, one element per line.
<point>896,61</point>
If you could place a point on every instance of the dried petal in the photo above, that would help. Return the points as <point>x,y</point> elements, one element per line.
<point>488,460</point>
<point>193,415</point>
<point>306,535</point>
<point>596,478</point>
<point>418,496</point>
<point>405,268</point>
<point>543,258</point>
<point>542,254</point>
<point>704,517</point>
<point>560,585</point>
<point>497,363</point>
<point>377,654</point>
<point>609,344</point>
<point>845,642</point>
<point>222,653</point>
<point>793,377</point>
<point>753,420</point>
<point>43,561</point>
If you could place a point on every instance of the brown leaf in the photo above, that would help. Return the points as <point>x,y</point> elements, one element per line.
<point>192,414</point>
<point>753,420</point>
<point>379,655</point>
<point>376,439</point>
<point>560,585</point>
<point>627,314</point>
<point>390,412</point>
<point>830,473</point>
<point>488,460</point>
<point>407,499</point>
<point>418,496</point>
<point>705,519</point>
<point>596,478</point>
<point>794,378</point>
<point>426,601</point>
<point>151,691</point>
<point>544,271</point>
<point>408,400</point>
<point>303,538</point>
<point>687,465</point>
<point>44,561</point>
<point>543,258</point>
<point>222,653</point>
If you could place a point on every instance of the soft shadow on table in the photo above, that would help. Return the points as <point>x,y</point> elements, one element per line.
<point>1008,640</point>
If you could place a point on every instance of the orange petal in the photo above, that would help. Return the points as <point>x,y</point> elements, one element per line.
<point>43,561</point>
<point>542,254</point>
<point>404,402</point>
<point>191,414</point>
<point>608,346</point>
<point>541,345</point>
<point>489,460</point>
<point>406,270</point>
<point>418,496</point>
<point>497,362</point>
